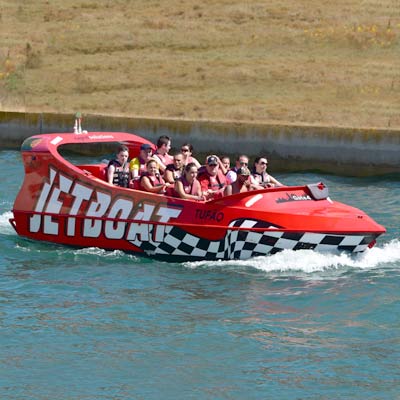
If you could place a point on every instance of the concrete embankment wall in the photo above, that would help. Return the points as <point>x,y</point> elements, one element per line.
<point>291,148</point>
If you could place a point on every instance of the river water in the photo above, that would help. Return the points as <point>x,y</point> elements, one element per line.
<point>90,324</point>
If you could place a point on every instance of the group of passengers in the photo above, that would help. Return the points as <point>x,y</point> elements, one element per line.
<point>183,176</point>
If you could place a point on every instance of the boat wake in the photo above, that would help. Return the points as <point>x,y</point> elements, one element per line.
<point>5,226</point>
<point>311,262</point>
<point>286,262</point>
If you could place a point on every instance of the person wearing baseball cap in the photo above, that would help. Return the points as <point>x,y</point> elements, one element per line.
<point>243,182</point>
<point>146,146</point>
<point>241,161</point>
<point>212,180</point>
<point>138,164</point>
<point>212,160</point>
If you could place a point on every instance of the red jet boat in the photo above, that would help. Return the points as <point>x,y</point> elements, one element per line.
<point>72,204</point>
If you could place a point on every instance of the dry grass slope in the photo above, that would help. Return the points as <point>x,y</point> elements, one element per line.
<point>312,62</point>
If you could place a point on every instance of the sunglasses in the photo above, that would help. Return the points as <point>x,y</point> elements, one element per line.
<point>184,150</point>
<point>243,163</point>
<point>263,163</point>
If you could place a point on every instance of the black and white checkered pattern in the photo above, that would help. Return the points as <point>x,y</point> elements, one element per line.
<point>244,243</point>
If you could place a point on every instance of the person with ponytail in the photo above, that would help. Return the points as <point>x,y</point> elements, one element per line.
<point>187,186</point>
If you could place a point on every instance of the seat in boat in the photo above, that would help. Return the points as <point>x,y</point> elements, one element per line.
<point>97,170</point>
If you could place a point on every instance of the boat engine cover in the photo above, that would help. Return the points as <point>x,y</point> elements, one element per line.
<point>319,191</point>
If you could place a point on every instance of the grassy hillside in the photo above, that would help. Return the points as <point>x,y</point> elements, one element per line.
<point>314,62</point>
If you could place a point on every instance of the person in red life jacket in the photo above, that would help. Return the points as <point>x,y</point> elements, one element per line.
<point>187,151</point>
<point>137,166</point>
<point>118,169</point>
<point>212,180</point>
<point>261,178</point>
<point>174,170</point>
<point>188,186</point>
<point>161,155</point>
<point>241,161</point>
<point>151,180</point>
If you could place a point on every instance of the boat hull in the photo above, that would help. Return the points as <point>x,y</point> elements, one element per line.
<point>175,242</point>
<point>73,205</point>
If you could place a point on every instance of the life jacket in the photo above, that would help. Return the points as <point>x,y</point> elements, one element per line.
<point>213,182</point>
<point>176,172</point>
<point>121,173</point>
<point>263,178</point>
<point>190,188</point>
<point>166,159</point>
<point>154,180</point>
<point>216,183</point>
<point>191,159</point>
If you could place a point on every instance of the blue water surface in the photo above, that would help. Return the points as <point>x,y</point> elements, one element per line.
<point>90,324</point>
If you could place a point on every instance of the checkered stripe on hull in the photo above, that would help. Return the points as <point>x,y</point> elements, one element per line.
<point>243,244</point>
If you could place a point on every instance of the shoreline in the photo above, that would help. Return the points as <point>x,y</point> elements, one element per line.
<point>93,115</point>
<point>340,150</point>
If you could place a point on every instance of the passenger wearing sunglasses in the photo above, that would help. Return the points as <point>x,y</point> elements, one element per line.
<point>260,175</point>
<point>241,162</point>
<point>187,151</point>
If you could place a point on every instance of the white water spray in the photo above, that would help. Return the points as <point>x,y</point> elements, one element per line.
<point>5,226</point>
<point>305,261</point>
<point>308,261</point>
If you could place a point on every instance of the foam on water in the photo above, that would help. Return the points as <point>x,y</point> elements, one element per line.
<point>5,226</point>
<point>305,261</point>
<point>101,253</point>
<point>308,261</point>
<point>95,251</point>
